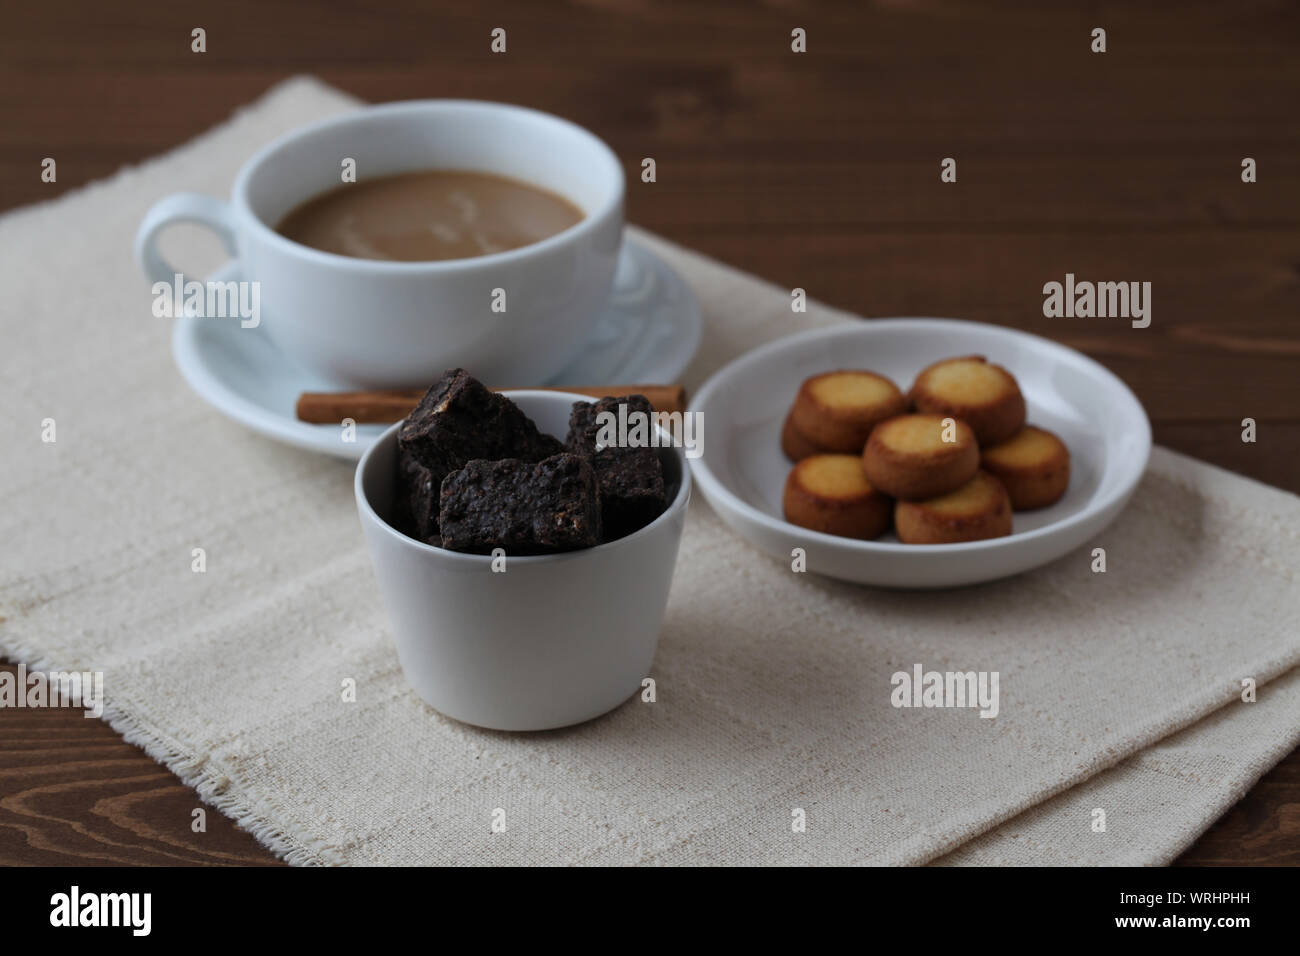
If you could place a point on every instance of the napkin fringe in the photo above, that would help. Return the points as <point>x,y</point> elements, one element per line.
<point>215,788</point>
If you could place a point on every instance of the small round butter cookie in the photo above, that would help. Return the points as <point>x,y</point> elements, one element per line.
<point>829,493</point>
<point>978,509</point>
<point>911,456</point>
<point>1033,464</point>
<point>837,410</point>
<point>793,443</point>
<point>984,396</point>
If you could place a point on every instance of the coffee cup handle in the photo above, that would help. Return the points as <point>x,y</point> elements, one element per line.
<point>216,214</point>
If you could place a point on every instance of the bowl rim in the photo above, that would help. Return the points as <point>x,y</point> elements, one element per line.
<point>714,488</point>
<point>678,503</point>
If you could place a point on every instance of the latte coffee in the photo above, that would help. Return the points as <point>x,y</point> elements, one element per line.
<point>428,215</point>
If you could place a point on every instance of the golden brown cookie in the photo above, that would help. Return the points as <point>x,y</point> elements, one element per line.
<point>984,396</point>
<point>829,493</point>
<point>978,509</point>
<point>1033,464</point>
<point>794,444</point>
<point>837,410</point>
<point>907,457</point>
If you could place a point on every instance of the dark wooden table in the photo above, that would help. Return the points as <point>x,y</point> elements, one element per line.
<point>818,170</point>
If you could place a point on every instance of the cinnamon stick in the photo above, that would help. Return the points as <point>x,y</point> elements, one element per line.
<point>385,406</point>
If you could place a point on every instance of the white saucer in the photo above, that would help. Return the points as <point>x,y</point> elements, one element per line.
<point>647,335</point>
<point>742,471</point>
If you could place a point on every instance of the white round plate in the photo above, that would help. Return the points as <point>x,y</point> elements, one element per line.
<point>647,334</point>
<point>742,471</point>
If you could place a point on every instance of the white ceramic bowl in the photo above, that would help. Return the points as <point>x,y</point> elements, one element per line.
<point>742,471</point>
<point>554,639</point>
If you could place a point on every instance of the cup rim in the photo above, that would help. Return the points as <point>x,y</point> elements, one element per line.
<point>678,503</point>
<point>588,223</point>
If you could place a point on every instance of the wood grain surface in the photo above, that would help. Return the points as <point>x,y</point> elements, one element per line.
<point>818,170</point>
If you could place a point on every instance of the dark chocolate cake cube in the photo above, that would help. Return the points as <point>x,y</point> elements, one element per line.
<point>420,496</point>
<point>630,478</point>
<point>584,427</point>
<point>457,421</point>
<point>631,487</point>
<point>522,507</point>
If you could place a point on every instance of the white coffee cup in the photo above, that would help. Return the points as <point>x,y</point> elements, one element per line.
<point>379,324</point>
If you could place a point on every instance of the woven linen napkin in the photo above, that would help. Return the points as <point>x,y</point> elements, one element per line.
<point>1119,692</point>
